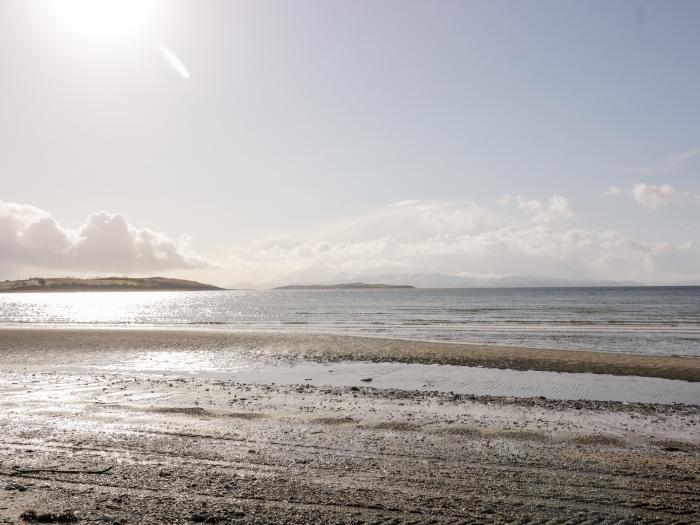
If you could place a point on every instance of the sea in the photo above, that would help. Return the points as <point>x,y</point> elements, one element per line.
<point>644,320</point>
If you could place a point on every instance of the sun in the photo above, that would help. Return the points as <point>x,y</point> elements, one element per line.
<point>104,19</point>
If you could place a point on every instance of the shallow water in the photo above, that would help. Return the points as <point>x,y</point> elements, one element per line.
<point>648,320</point>
<point>405,376</point>
<point>443,378</point>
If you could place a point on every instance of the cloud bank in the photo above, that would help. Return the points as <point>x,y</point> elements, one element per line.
<point>520,236</point>
<point>106,242</point>
<point>461,237</point>
<point>650,195</point>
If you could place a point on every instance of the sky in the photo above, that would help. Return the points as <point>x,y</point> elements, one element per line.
<point>266,141</point>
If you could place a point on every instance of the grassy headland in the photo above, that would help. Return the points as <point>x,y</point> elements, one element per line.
<point>102,284</point>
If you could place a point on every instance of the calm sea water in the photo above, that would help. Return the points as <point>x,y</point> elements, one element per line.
<point>654,320</point>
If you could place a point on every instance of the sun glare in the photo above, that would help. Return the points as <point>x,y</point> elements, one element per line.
<point>104,19</point>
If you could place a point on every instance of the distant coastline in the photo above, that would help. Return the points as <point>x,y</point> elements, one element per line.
<point>103,284</point>
<point>341,286</point>
<point>439,280</point>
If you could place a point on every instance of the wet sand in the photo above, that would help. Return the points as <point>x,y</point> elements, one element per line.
<point>23,345</point>
<point>124,449</point>
<point>120,447</point>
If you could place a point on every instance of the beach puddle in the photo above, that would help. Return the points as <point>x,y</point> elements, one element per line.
<point>443,378</point>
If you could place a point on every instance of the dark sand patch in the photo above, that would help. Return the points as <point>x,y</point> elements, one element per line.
<point>521,435</point>
<point>333,420</point>
<point>242,415</point>
<point>599,440</point>
<point>471,432</point>
<point>190,411</point>
<point>398,426</point>
<point>199,411</point>
<point>672,445</point>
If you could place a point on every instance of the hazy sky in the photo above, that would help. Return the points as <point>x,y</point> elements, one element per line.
<point>256,140</point>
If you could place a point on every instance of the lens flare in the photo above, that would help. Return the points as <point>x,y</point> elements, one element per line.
<point>172,59</point>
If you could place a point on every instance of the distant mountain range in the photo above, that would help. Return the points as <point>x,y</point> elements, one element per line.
<point>438,280</point>
<point>441,280</point>
<point>340,286</point>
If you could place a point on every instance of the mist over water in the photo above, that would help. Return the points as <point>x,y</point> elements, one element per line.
<point>648,320</point>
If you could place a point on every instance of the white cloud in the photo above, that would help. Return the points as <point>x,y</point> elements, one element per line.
<point>650,195</point>
<point>31,237</point>
<point>556,208</point>
<point>461,238</point>
<point>614,191</point>
<point>656,196</point>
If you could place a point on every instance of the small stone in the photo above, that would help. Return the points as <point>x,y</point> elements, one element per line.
<point>15,486</point>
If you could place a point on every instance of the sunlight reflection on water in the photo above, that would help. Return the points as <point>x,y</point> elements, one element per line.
<point>183,362</point>
<point>637,320</point>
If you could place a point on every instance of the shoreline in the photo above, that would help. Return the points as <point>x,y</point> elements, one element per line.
<point>21,342</point>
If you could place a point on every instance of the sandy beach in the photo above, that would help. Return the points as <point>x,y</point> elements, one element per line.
<point>72,345</point>
<point>78,446</point>
<point>115,449</point>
